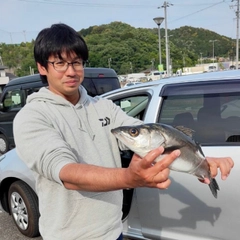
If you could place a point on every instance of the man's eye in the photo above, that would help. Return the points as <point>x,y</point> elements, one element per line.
<point>60,63</point>
<point>78,63</point>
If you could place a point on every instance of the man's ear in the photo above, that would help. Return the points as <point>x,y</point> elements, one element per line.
<point>41,69</point>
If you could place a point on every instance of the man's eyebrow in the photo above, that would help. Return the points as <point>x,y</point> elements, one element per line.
<point>60,58</point>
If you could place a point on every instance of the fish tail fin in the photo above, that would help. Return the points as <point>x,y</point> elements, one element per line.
<point>214,187</point>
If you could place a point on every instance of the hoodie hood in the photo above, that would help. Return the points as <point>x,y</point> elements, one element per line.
<point>46,96</point>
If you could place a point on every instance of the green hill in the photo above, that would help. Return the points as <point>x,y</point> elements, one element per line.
<point>127,49</point>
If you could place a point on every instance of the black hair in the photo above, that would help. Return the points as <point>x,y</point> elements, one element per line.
<point>55,40</point>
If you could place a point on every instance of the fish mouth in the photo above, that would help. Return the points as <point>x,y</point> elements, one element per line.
<point>123,137</point>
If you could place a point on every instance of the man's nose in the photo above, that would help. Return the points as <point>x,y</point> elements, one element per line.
<point>70,69</point>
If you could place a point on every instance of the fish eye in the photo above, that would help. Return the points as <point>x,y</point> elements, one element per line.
<point>133,132</point>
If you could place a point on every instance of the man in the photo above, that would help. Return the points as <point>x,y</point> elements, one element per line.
<point>74,158</point>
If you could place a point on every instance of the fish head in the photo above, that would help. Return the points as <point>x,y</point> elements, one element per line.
<point>141,139</point>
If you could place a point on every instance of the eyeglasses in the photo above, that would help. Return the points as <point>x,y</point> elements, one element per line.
<point>62,66</point>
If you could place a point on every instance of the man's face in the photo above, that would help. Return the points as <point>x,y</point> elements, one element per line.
<point>64,79</point>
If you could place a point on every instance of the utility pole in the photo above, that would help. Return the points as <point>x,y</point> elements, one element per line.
<point>165,5</point>
<point>109,62</point>
<point>201,57</point>
<point>213,41</point>
<point>237,33</point>
<point>1,61</point>
<point>152,61</point>
<point>184,62</point>
<point>131,67</point>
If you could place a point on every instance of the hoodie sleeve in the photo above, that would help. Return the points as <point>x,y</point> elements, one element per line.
<point>45,152</point>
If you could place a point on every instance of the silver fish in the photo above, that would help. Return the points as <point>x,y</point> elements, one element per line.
<point>141,139</point>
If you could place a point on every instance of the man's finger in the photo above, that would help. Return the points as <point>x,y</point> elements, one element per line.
<point>148,160</point>
<point>167,160</point>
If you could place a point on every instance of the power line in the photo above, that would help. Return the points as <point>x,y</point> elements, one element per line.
<point>108,5</point>
<point>198,4</point>
<point>197,11</point>
<point>84,4</point>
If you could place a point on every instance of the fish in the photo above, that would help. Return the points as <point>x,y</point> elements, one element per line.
<point>141,139</point>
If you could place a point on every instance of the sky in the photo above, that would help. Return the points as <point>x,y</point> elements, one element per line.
<point>21,20</point>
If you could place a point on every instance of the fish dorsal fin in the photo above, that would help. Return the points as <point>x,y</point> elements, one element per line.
<point>188,131</point>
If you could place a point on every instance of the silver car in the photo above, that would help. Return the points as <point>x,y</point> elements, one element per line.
<point>187,210</point>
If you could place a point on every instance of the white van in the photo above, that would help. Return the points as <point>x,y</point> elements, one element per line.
<point>155,75</point>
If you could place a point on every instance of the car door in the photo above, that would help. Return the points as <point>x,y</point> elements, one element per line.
<point>12,101</point>
<point>187,210</point>
<point>135,104</point>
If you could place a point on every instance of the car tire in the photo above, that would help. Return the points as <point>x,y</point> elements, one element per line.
<point>3,144</point>
<point>23,205</point>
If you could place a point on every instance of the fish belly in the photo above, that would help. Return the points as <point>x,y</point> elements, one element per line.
<point>182,165</point>
<point>188,161</point>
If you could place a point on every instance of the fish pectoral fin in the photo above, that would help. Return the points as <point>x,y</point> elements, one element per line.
<point>169,149</point>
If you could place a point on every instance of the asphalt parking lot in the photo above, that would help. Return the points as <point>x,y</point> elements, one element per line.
<point>8,230</point>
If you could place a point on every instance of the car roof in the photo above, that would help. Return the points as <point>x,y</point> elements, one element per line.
<point>88,72</point>
<point>219,75</point>
<point>210,76</point>
<point>95,72</point>
<point>25,79</point>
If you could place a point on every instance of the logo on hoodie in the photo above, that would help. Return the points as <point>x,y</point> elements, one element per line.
<point>105,121</point>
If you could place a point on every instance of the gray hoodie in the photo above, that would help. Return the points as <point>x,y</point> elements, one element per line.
<point>50,132</point>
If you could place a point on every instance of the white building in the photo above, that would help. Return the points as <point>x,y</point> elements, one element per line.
<point>4,79</point>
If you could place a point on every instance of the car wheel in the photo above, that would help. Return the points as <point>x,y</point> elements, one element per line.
<point>3,144</point>
<point>23,204</point>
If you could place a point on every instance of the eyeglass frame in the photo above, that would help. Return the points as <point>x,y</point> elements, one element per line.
<point>68,63</point>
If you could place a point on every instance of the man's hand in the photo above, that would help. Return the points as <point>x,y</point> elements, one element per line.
<point>224,163</point>
<point>143,172</point>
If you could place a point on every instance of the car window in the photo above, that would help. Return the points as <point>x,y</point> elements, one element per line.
<point>173,106</point>
<point>98,86</point>
<point>213,117</point>
<point>12,100</point>
<point>134,106</point>
<point>32,90</point>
